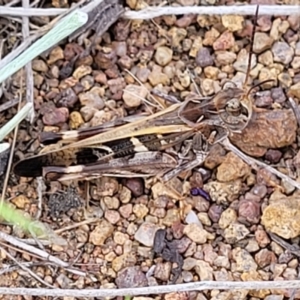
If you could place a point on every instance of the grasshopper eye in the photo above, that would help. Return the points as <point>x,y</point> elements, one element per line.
<point>233,107</point>
<point>233,104</point>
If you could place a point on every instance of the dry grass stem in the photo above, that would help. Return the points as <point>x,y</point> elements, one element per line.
<point>155,290</point>
<point>28,67</point>
<point>8,104</point>
<point>160,105</point>
<point>157,11</point>
<point>42,254</point>
<point>154,12</point>
<point>25,268</point>
<point>11,155</point>
<point>255,164</point>
<point>89,221</point>
<point>296,109</point>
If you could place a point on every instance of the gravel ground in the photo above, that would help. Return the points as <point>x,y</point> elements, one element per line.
<point>244,227</point>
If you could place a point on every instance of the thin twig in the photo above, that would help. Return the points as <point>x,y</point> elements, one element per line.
<point>143,99</point>
<point>25,268</point>
<point>35,12</point>
<point>293,293</point>
<point>34,3</point>
<point>30,12</point>
<point>153,12</point>
<point>28,66</point>
<point>296,109</point>
<point>73,226</point>
<point>12,3</point>
<point>11,155</point>
<point>8,104</point>
<point>184,287</point>
<point>11,124</point>
<point>254,163</point>
<point>24,45</point>
<point>39,252</point>
<point>44,263</point>
<point>5,245</point>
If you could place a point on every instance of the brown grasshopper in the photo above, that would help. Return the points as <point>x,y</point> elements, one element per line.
<point>101,151</point>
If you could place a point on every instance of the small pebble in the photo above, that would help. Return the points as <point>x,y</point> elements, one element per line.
<point>278,95</point>
<point>131,277</point>
<point>249,210</point>
<point>142,74</point>
<point>197,44</point>
<point>112,216</point>
<point>264,23</point>
<point>228,216</point>
<point>87,113</point>
<point>282,52</point>
<point>101,232</point>
<point>92,100</point>
<point>75,120</point>
<point>192,218</point>
<point>235,232</point>
<point>263,99</point>
<point>39,65</point>
<point>215,212</point>
<point>244,260</point>
<point>296,63</point>
<point>136,185</point>
<point>264,257</point>
<point>295,90</point>
<point>185,21</point>
<point>56,54</point>
<point>134,94</point>
<point>163,55</point>
<point>273,156</point>
<point>56,116</point>
<point>262,42</point>
<point>140,210</point>
<point>204,58</point>
<point>68,98</point>
<point>145,234</point>
<point>126,210</point>
<point>125,62</point>
<point>232,22</point>
<point>241,63</point>
<point>196,233</point>
<point>225,57</point>
<point>81,71</point>
<point>259,190</point>
<point>224,42</point>
<point>105,59</point>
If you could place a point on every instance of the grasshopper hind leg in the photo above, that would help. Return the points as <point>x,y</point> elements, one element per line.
<point>30,167</point>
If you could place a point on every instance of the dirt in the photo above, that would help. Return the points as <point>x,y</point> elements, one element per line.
<point>220,217</point>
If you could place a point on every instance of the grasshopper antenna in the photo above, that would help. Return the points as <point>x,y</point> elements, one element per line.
<point>251,46</point>
<point>250,57</point>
